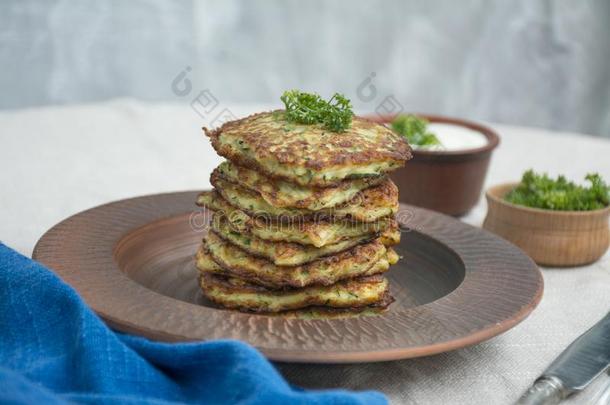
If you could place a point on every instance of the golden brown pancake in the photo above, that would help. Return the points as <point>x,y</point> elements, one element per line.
<point>310,155</point>
<point>281,253</point>
<point>307,232</point>
<point>369,205</point>
<point>237,294</point>
<point>222,257</point>
<point>283,194</point>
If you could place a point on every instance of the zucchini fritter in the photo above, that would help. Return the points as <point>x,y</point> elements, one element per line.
<point>308,154</point>
<point>367,259</point>
<point>281,193</point>
<point>281,253</point>
<point>369,205</point>
<point>307,232</point>
<point>237,294</point>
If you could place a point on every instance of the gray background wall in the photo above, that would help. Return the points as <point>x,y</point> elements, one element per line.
<point>529,62</point>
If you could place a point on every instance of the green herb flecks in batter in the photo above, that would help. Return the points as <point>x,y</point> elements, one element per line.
<point>415,130</point>
<point>540,191</point>
<point>309,108</point>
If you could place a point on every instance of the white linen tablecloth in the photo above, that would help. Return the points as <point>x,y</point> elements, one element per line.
<point>57,161</point>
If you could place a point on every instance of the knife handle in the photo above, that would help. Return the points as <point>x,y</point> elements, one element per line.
<point>545,391</point>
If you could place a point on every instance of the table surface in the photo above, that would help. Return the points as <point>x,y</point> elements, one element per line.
<point>57,161</point>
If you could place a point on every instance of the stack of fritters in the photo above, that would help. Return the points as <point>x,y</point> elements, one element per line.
<point>302,216</point>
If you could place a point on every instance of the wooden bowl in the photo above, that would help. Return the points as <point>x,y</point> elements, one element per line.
<point>446,181</point>
<point>551,238</point>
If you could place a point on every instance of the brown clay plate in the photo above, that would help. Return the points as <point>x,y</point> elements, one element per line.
<point>132,262</point>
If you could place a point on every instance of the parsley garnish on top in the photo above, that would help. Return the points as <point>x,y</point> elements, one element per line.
<point>309,108</point>
<point>415,129</point>
<point>540,191</point>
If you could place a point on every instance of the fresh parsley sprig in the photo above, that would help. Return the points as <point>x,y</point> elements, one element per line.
<point>309,108</point>
<point>541,191</point>
<point>415,129</point>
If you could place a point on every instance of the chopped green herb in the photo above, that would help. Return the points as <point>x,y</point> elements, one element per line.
<point>540,191</point>
<point>309,108</point>
<point>289,127</point>
<point>415,129</point>
<point>359,176</point>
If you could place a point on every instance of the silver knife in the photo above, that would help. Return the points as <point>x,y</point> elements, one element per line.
<point>603,396</point>
<point>578,365</point>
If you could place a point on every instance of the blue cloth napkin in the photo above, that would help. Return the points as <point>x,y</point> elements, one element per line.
<point>55,350</point>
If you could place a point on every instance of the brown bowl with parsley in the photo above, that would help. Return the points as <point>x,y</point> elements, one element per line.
<point>441,177</point>
<point>556,222</point>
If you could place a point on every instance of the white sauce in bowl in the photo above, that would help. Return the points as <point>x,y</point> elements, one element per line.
<point>454,137</point>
